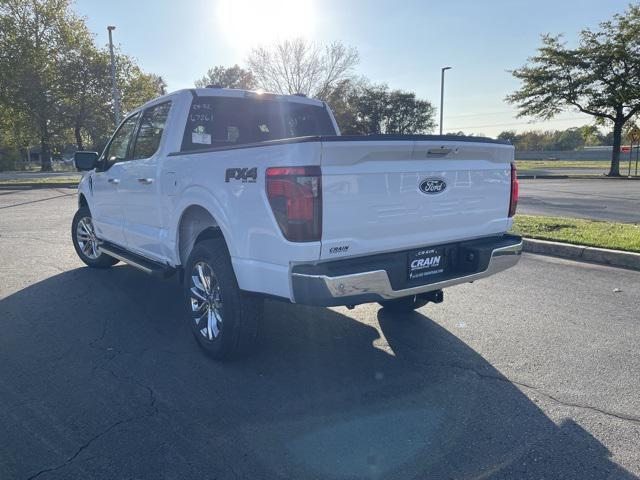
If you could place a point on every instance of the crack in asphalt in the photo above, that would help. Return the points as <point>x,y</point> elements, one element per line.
<point>37,201</point>
<point>154,411</point>
<point>83,447</point>
<point>11,192</point>
<point>135,381</point>
<point>538,390</point>
<point>100,337</point>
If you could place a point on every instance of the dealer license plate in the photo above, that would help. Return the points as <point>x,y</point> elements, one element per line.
<point>426,262</point>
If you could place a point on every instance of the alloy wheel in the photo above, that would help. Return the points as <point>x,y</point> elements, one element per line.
<point>87,240</point>
<point>206,301</point>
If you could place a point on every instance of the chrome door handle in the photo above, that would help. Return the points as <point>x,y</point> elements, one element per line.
<point>115,181</point>
<point>439,151</point>
<point>145,181</point>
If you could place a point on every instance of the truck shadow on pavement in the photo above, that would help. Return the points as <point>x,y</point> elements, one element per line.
<point>101,379</point>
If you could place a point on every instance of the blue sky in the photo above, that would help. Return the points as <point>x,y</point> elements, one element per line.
<point>401,43</point>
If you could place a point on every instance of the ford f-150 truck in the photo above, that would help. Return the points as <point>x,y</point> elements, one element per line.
<point>247,195</point>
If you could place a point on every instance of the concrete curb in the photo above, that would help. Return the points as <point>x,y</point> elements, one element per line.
<point>603,256</point>
<point>527,176</point>
<point>578,177</point>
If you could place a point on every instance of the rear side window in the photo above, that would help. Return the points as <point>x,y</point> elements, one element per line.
<point>221,121</point>
<point>150,131</point>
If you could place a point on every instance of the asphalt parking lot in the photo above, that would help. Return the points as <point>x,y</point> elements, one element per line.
<point>533,373</point>
<point>596,199</point>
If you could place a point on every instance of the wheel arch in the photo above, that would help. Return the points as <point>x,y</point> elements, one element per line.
<point>196,223</point>
<point>82,200</point>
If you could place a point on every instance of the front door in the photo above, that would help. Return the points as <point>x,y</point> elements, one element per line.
<point>106,205</point>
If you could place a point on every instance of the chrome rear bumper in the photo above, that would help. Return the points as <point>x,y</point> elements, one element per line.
<point>375,285</point>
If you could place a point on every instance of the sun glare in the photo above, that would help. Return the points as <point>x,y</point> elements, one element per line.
<point>249,23</point>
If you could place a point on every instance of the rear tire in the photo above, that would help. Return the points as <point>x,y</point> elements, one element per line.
<point>403,305</point>
<point>86,243</point>
<point>223,319</point>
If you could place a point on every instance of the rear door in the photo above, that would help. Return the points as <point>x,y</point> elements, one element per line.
<point>386,195</point>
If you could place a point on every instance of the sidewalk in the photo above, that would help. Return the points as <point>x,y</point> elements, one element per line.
<point>36,175</point>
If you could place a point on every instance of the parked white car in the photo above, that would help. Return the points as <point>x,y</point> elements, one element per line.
<point>247,195</point>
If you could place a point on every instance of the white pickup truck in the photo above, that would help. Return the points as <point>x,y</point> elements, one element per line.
<point>248,195</point>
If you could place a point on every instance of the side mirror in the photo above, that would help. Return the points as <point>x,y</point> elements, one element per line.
<point>85,160</point>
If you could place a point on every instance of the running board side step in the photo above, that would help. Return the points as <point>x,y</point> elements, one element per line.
<point>148,266</point>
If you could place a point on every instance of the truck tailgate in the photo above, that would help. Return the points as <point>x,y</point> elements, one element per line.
<point>384,195</point>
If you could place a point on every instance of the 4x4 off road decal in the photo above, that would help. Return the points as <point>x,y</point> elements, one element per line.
<point>245,175</point>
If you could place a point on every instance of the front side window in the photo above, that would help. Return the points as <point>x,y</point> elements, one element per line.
<point>118,149</point>
<point>152,125</point>
<point>225,121</point>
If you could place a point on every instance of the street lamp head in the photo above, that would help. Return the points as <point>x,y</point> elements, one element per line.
<point>447,68</point>
<point>111,27</point>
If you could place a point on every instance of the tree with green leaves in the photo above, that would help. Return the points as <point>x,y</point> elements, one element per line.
<point>573,138</point>
<point>16,135</point>
<point>55,83</point>
<point>343,100</point>
<point>361,108</point>
<point>33,37</point>
<point>136,87</point>
<point>599,77</point>
<point>591,135</point>
<point>86,104</point>
<point>228,77</point>
<point>407,114</point>
<point>509,136</point>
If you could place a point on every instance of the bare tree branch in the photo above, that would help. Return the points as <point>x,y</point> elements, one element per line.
<point>299,66</point>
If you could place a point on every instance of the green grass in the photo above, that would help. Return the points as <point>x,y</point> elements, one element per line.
<point>618,236</point>
<point>533,164</point>
<point>62,180</point>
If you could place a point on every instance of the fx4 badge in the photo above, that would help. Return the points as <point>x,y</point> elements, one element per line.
<point>245,175</point>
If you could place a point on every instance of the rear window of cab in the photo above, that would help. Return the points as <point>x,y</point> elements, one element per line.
<point>228,121</point>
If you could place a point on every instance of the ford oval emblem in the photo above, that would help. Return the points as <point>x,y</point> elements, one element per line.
<point>431,186</point>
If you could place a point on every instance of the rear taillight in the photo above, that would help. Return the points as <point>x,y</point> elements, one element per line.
<point>295,196</point>
<point>513,202</point>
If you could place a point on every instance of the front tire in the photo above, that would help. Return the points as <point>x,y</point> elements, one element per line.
<point>86,243</point>
<point>223,319</point>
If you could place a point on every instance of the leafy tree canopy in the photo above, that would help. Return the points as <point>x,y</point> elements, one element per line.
<point>599,77</point>
<point>364,108</point>
<point>231,77</point>
<point>55,84</point>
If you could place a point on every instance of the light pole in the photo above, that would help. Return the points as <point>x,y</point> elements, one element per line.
<point>114,90</point>
<point>442,94</point>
